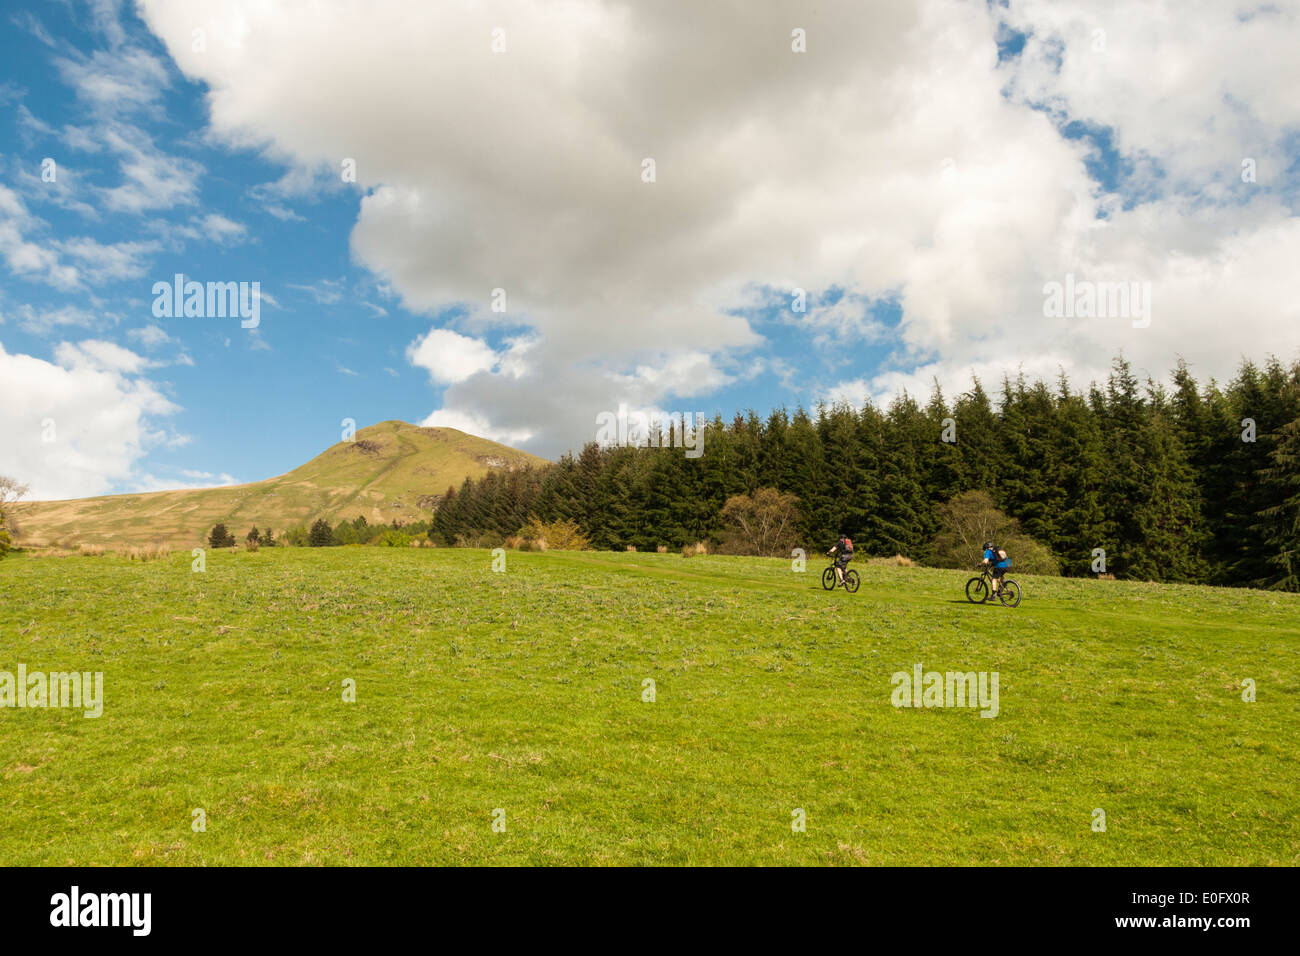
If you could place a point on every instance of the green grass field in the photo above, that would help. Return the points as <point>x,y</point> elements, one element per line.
<point>523,691</point>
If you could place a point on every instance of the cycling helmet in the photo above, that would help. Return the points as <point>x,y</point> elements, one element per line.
<point>988,545</point>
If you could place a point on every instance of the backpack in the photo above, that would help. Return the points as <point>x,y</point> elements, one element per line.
<point>1000,554</point>
<point>848,545</point>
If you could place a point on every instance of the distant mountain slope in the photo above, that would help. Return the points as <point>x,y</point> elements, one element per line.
<point>391,470</point>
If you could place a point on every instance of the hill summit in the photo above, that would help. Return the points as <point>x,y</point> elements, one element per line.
<point>393,470</point>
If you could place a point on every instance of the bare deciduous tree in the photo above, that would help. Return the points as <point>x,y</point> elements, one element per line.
<point>11,490</point>
<point>762,523</point>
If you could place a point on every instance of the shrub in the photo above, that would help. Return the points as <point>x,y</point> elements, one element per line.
<point>970,519</point>
<point>1029,556</point>
<point>90,550</point>
<point>148,552</point>
<point>562,535</point>
<point>252,544</point>
<point>393,539</point>
<point>897,560</point>
<point>662,549</point>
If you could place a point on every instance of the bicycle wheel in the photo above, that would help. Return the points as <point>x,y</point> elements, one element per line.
<point>977,590</point>
<point>1009,593</point>
<point>828,579</point>
<point>851,581</point>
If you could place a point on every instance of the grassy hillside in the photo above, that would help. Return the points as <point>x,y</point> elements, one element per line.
<point>522,691</point>
<point>392,470</point>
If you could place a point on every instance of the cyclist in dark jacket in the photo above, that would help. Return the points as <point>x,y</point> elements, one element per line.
<point>843,551</point>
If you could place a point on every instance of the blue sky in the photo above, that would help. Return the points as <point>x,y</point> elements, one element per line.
<point>921,225</point>
<point>250,407</point>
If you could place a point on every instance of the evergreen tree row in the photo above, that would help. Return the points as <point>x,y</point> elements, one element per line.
<point>1200,483</point>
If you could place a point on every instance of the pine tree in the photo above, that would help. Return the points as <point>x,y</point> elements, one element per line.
<point>321,535</point>
<point>805,463</point>
<point>445,526</point>
<point>1168,518</point>
<point>941,461</point>
<point>906,517</point>
<point>1280,524</point>
<point>1201,420</point>
<point>845,507</point>
<point>977,439</point>
<point>1080,466</point>
<point>1122,413</point>
<point>1027,483</point>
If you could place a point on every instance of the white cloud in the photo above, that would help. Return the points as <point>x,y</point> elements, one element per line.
<point>323,292</point>
<point>283,213</point>
<point>681,373</point>
<point>73,263</point>
<point>476,425</point>
<point>115,81</point>
<point>23,256</point>
<point>47,319</point>
<point>450,357</point>
<point>95,404</point>
<point>148,482</point>
<point>150,336</point>
<point>105,262</point>
<point>220,229</point>
<point>896,159</point>
<point>852,393</point>
<point>28,21</point>
<point>100,355</point>
<point>205,479</point>
<point>848,319</point>
<point>151,179</point>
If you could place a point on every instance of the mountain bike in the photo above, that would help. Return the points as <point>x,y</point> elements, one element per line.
<point>851,579</point>
<point>980,589</point>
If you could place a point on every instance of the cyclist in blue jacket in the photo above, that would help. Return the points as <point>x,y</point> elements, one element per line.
<point>998,560</point>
